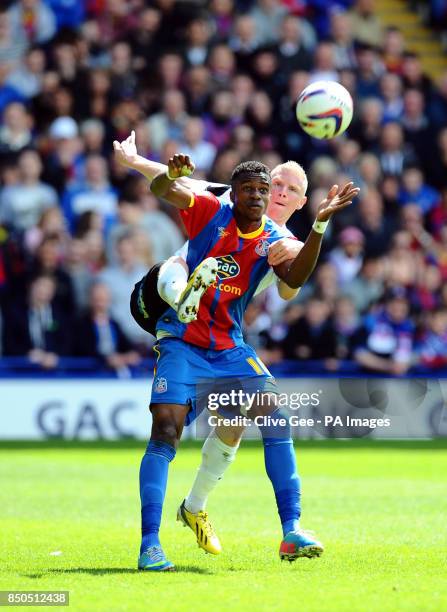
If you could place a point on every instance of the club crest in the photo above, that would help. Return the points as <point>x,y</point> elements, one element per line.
<point>161,385</point>
<point>262,248</point>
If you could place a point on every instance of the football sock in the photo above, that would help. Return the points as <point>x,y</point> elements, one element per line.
<point>216,459</point>
<point>280,465</point>
<point>172,280</point>
<point>153,479</point>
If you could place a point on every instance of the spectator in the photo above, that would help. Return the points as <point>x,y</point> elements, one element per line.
<point>143,38</point>
<point>94,193</point>
<point>170,121</point>
<point>346,325</point>
<point>365,24</point>
<point>369,71</point>
<point>393,50</point>
<point>242,88</point>
<point>194,145</point>
<point>198,90</point>
<point>324,68</point>
<point>222,18</point>
<point>370,173</point>
<point>13,45</point>
<point>413,75</point>
<point>27,77</point>
<point>387,341</point>
<point>64,161</point>
<point>416,191</point>
<point>259,116</point>
<point>198,36</point>
<point>40,331</point>
<point>368,130</point>
<point>391,94</point>
<point>347,257</point>
<point>267,16</point>
<point>377,228</point>
<point>312,336</point>
<point>51,223</point>
<point>93,135</point>
<point>433,346</point>
<point>120,279</point>
<point>15,133</point>
<point>244,41</point>
<point>22,204</point>
<point>80,276</point>
<point>394,153</point>
<point>222,65</point>
<point>402,266</point>
<point>100,336</point>
<point>221,121</point>
<point>367,287</point>
<point>123,78</point>
<point>34,19</point>
<point>68,13</point>
<point>342,37</point>
<point>47,260</point>
<point>163,236</point>
<point>416,126</point>
<point>293,54</point>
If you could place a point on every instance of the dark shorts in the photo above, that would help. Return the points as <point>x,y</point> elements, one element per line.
<point>146,306</point>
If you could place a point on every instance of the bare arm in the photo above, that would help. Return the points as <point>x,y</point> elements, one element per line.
<point>126,154</point>
<point>166,185</point>
<point>303,265</point>
<point>284,250</point>
<point>286,292</point>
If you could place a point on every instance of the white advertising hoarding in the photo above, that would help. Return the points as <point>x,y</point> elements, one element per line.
<point>91,409</point>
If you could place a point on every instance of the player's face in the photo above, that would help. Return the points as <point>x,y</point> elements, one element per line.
<point>287,195</point>
<point>250,195</point>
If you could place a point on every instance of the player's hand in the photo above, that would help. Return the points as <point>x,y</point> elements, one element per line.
<point>337,199</point>
<point>180,165</point>
<point>283,250</point>
<point>126,151</point>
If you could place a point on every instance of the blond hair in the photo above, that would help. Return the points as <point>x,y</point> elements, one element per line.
<point>296,169</point>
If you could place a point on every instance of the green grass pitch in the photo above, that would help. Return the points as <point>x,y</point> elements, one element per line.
<point>380,509</point>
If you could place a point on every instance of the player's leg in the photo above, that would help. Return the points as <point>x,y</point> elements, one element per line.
<point>172,280</point>
<point>218,453</point>
<point>281,468</point>
<point>183,294</point>
<point>171,398</point>
<point>167,426</point>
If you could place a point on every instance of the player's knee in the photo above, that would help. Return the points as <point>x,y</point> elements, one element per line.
<point>231,436</point>
<point>165,430</point>
<point>275,426</point>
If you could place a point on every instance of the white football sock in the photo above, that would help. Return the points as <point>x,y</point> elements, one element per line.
<point>172,279</point>
<point>216,458</point>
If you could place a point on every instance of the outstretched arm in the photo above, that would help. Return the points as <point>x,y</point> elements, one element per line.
<point>302,267</point>
<point>166,185</point>
<point>126,154</point>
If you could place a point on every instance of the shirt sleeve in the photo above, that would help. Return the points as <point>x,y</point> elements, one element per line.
<point>201,210</point>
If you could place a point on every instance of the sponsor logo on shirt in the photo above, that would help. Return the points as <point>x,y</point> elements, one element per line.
<point>227,267</point>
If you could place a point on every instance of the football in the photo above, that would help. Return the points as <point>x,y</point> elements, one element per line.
<point>324,109</point>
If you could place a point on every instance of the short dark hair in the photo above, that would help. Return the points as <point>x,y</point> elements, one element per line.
<point>249,167</point>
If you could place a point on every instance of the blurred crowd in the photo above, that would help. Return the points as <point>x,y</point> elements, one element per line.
<point>217,80</point>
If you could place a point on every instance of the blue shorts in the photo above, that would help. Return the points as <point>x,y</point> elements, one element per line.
<point>186,373</point>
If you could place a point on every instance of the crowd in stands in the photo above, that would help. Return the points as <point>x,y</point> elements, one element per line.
<point>217,80</point>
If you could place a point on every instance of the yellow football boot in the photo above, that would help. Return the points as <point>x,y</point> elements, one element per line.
<point>200,524</point>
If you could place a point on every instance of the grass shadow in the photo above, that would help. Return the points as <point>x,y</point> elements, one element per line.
<point>102,571</point>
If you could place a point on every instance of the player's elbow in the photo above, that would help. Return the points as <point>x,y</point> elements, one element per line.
<point>287,293</point>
